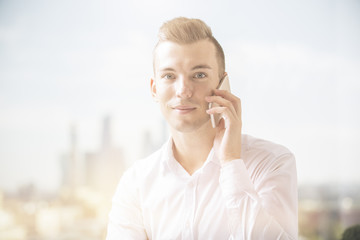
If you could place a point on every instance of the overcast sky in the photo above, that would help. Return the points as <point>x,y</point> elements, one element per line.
<point>294,64</point>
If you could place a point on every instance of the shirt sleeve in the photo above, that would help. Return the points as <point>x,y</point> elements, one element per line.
<point>263,206</point>
<point>125,218</point>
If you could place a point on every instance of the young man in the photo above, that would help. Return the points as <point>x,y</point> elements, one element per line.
<point>204,183</point>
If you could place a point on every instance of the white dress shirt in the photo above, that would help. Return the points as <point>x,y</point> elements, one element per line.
<point>254,197</point>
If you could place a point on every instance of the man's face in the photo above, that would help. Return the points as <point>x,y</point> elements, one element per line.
<point>184,75</point>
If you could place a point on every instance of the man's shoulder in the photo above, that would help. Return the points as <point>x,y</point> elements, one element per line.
<point>147,165</point>
<point>253,144</point>
<point>264,159</point>
<point>151,160</point>
<point>264,154</point>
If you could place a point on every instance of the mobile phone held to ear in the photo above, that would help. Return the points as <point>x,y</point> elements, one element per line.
<point>223,85</point>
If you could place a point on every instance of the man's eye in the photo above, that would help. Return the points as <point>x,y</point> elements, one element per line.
<point>200,75</point>
<point>168,76</point>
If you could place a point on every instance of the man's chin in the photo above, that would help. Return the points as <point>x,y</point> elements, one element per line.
<point>190,126</point>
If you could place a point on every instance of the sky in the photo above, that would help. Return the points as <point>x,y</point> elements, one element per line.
<point>294,64</point>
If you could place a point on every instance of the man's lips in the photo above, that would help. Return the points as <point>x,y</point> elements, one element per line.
<point>184,108</point>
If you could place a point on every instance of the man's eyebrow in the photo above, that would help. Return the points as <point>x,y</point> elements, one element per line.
<point>201,66</point>
<point>167,69</point>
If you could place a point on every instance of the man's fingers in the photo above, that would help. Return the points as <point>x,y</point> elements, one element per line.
<point>225,113</point>
<point>233,107</point>
<point>236,102</point>
<point>220,101</point>
<point>216,110</point>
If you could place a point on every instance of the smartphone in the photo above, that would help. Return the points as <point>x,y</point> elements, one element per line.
<point>223,85</point>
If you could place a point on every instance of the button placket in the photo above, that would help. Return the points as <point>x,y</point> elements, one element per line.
<point>190,201</point>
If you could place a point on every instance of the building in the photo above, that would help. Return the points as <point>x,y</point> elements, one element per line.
<point>104,167</point>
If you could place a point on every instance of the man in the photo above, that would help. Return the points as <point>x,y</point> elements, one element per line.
<point>204,183</point>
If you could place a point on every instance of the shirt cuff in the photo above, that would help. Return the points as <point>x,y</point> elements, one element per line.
<point>234,180</point>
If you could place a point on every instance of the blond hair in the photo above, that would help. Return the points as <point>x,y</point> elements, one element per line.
<point>183,30</point>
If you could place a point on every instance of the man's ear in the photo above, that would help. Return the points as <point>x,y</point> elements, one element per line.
<point>153,89</point>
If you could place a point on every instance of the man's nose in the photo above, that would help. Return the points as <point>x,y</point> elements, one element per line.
<point>184,88</point>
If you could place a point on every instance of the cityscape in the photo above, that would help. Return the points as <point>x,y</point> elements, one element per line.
<point>79,209</point>
<point>295,65</point>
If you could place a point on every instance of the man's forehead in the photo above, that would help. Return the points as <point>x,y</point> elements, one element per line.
<point>198,55</point>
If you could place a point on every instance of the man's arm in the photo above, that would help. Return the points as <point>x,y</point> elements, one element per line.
<point>125,218</point>
<point>267,210</point>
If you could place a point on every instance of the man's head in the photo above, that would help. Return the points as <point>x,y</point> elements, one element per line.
<point>183,30</point>
<point>188,65</point>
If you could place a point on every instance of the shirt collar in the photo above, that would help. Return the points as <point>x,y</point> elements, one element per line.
<point>169,161</point>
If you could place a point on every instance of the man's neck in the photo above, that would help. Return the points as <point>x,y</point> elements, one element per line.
<point>192,149</point>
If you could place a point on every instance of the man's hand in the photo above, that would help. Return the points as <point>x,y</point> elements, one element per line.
<point>227,142</point>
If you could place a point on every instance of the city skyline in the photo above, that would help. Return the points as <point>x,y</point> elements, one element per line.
<point>75,103</point>
<point>294,65</point>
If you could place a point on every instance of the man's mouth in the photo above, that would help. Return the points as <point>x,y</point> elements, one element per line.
<point>183,109</point>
